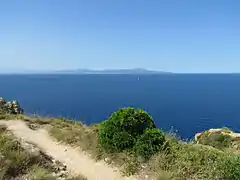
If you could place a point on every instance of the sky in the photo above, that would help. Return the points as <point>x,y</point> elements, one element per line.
<point>186,36</point>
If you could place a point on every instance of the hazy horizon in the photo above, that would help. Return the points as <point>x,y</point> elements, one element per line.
<point>107,71</point>
<point>177,36</point>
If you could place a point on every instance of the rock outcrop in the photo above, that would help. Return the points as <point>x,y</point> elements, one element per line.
<point>10,107</point>
<point>219,137</point>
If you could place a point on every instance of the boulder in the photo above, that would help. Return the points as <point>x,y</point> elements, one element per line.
<point>10,107</point>
<point>59,169</point>
<point>197,136</point>
<point>2,101</point>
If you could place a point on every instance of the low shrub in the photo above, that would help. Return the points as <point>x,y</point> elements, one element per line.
<point>132,130</point>
<point>217,140</point>
<point>229,167</point>
<point>150,142</point>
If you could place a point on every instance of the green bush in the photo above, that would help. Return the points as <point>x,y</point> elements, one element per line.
<point>3,109</point>
<point>123,128</point>
<point>194,161</point>
<point>229,167</point>
<point>150,142</point>
<point>217,140</point>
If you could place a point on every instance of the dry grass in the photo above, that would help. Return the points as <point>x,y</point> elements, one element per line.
<point>184,161</point>
<point>85,137</point>
<point>18,163</point>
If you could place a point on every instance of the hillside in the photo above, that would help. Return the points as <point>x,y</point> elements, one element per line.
<point>159,155</point>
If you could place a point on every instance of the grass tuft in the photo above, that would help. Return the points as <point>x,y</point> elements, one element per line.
<point>183,160</point>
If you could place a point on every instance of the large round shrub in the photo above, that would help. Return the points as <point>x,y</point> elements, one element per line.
<point>150,142</point>
<point>123,128</point>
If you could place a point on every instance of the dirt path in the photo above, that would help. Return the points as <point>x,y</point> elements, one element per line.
<point>78,163</point>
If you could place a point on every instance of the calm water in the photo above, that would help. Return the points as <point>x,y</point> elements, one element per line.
<point>187,103</point>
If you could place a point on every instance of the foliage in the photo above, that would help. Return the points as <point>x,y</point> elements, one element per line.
<point>184,160</point>
<point>3,109</point>
<point>195,161</point>
<point>229,167</point>
<point>123,128</point>
<point>216,139</point>
<point>16,161</point>
<point>150,142</point>
<point>37,173</point>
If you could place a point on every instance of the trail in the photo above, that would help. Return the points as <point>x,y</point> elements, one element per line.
<point>77,162</point>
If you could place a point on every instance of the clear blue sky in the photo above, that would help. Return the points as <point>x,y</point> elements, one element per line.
<point>168,35</point>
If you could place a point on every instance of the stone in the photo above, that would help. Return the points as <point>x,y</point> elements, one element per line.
<point>235,137</point>
<point>197,136</point>
<point>31,148</point>
<point>3,128</point>
<point>33,126</point>
<point>10,107</point>
<point>2,101</point>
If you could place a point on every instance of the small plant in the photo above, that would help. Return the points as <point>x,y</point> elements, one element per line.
<point>131,166</point>
<point>3,109</point>
<point>15,161</point>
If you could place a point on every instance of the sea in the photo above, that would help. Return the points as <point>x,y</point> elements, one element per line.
<point>180,103</point>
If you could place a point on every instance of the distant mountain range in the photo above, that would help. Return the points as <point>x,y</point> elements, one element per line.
<point>85,71</point>
<point>111,71</point>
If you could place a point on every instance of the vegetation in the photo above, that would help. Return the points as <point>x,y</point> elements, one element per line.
<point>150,142</point>
<point>17,162</point>
<point>130,140</point>
<point>3,109</point>
<point>132,130</point>
<point>217,140</point>
<point>192,161</point>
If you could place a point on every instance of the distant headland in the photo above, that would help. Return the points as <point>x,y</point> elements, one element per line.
<point>112,71</point>
<point>87,71</point>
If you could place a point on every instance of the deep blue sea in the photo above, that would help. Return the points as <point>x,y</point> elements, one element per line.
<point>188,103</point>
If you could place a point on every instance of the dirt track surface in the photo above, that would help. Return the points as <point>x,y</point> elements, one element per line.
<point>77,162</point>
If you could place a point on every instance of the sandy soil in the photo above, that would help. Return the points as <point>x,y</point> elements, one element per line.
<point>77,162</point>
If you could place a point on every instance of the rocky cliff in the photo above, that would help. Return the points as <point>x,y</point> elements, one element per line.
<point>10,107</point>
<point>221,138</point>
